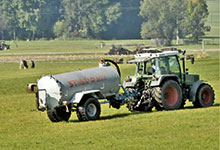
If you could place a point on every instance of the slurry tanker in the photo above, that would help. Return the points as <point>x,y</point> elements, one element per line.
<point>159,82</point>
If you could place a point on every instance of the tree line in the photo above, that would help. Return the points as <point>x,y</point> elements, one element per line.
<point>103,19</point>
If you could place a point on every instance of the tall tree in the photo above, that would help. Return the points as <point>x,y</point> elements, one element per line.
<point>2,25</point>
<point>128,25</point>
<point>50,12</point>
<point>196,15</point>
<point>85,18</point>
<point>9,24</point>
<point>28,15</point>
<point>162,19</point>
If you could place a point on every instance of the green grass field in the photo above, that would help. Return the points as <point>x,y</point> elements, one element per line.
<point>23,127</point>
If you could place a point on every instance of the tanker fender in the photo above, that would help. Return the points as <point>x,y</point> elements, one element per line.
<point>76,99</point>
<point>193,90</point>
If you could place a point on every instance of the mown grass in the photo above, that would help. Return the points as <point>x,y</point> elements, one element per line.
<point>78,46</point>
<point>93,46</point>
<point>23,127</point>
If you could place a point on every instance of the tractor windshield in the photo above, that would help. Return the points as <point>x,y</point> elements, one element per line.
<point>168,65</point>
<point>146,67</point>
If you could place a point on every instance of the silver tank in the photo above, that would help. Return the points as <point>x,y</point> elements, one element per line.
<point>54,89</point>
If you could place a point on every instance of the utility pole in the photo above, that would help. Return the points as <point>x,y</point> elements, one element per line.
<point>203,46</point>
<point>177,37</point>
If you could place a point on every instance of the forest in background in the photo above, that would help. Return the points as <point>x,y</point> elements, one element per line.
<point>103,19</point>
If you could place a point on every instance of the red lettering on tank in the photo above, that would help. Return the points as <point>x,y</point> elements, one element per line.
<point>101,78</point>
<point>73,83</point>
<point>70,83</point>
<point>92,79</point>
<point>84,81</point>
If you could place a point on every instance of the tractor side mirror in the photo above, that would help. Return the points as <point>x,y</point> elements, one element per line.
<point>187,69</point>
<point>190,57</point>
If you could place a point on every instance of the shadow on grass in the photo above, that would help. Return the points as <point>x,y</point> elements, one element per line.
<point>192,107</point>
<point>135,113</point>
<point>122,115</point>
<point>116,116</point>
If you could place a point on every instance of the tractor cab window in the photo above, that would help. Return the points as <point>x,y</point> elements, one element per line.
<point>163,65</point>
<point>169,65</point>
<point>139,68</point>
<point>150,66</point>
<point>146,68</point>
<point>174,65</point>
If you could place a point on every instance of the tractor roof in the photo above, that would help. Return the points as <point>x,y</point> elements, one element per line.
<point>147,56</point>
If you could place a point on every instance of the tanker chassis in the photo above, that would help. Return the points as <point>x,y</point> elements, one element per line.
<point>159,82</point>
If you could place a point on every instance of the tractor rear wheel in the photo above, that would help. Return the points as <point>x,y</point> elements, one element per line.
<point>58,114</point>
<point>204,96</point>
<point>156,93</point>
<point>89,110</point>
<point>168,96</point>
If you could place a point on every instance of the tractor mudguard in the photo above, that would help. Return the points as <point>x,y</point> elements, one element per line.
<point>193,90</point>
<point>162,78</point>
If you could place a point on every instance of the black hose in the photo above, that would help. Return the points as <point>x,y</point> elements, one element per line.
<point>115,64</point>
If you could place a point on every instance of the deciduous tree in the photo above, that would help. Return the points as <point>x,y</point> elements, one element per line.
<point>196,15</point>
<point>164,19</point>
<point>85,18</point>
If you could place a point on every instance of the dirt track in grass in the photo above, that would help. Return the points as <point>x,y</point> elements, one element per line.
<point>17,59</point>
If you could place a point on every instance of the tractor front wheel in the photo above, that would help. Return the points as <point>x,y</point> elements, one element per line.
<point>205,96</point>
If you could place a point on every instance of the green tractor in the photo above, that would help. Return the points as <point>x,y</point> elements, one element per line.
<point>164,83</point>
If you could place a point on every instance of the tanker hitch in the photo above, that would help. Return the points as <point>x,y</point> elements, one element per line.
<point>121,99</point>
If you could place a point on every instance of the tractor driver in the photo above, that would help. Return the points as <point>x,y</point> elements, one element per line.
<point>152,67</point>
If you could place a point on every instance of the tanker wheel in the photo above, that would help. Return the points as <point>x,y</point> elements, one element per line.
<point>89,110</point>
<point>169,95</point>
<point>205,96</point>
<point>58,114</point>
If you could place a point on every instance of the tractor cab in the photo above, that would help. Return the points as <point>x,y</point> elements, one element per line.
<point>153,66</point>
<point>158,65</point>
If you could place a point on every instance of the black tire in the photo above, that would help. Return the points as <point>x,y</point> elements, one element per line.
<point>168,96</point>
<point>89,110</point>
<point>205,96</point>
<point>158,107</point>
<point>156,94</point>
<point>52,115</point>
<point>58,114</point>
